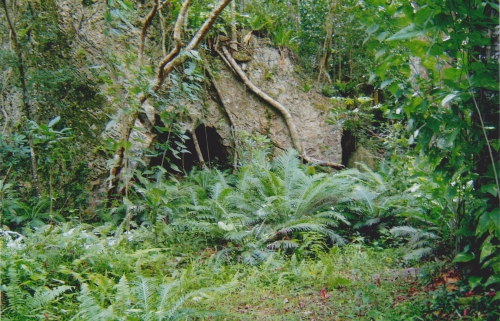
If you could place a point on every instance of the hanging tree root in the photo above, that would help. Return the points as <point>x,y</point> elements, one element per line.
<point>229,116</point>
<point>297,144</point>
<point>166,65</point>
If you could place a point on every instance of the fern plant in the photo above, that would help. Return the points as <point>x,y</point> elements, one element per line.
<point>270,205</point>
<point>141,299</point>
<point>30,296</point>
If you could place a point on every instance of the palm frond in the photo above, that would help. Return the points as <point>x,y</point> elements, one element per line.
<point>403,230</point>
<point>283,244</point>
<point>165,294</point>
<point>145,289</point>
<point>333,215</point>
<point>237,236</point>
<point>287,165</point>
<point>42,298</point>
<point>417,254</point>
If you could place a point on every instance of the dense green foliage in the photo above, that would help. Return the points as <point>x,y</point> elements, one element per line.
<point>415,82</point>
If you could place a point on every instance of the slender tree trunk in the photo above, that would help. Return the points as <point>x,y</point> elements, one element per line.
<point>234,32</point>
<point>327,44</point>
<point>145,25</point>
<point>297,144</point>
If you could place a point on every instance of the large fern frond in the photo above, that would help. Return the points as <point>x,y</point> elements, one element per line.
<point>144,289</point>
<point>42,298</point>
<point>283,244</point>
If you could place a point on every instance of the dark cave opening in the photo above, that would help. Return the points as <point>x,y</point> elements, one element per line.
<point>348,144</point>
<point>181,154</point>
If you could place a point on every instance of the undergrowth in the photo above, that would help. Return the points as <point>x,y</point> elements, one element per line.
<point>273,241</point>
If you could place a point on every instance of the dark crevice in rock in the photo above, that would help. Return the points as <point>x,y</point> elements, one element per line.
<point>185,158</point>
<point>348,144</point>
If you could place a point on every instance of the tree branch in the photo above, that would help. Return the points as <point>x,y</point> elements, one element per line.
<point>145,25</point>
<point>167,65</point>
<point>172,60</point>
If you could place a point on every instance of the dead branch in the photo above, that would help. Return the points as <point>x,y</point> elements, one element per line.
<point>145,25</point>
<point>297,144</point>
<point>197,146</point>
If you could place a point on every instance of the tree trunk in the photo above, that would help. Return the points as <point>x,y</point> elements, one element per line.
<point>234,32</point>
<point>297,144</point>
<point>145,25</point>
<point>323,63</point>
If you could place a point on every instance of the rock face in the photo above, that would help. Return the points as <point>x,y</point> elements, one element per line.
<point>270,69</point>
<point>277,76</point>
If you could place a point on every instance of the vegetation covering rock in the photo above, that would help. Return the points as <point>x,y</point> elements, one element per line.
<point>162,158</point>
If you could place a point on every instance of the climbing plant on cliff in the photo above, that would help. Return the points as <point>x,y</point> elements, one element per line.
<point>439,62</point>
<point>179,53</point>
<point>41,81</point>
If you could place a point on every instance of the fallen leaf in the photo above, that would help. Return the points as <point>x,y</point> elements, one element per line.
<point>247,38</point>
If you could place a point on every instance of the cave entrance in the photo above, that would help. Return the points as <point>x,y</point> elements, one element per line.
<point>348,144</point>
<point>181,156</point>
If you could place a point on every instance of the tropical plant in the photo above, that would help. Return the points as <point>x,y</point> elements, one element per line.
<point>141,299</point>
<point>440,67</point>
<point>267,207</point>
<point>29,291</point>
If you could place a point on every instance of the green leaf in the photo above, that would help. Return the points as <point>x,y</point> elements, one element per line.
<point>486,249</point>
<point>447,99</point>
<point>107,17</point>
<point>495,278</point>
<point>385,83</point>
<point>495,143</point>
<point>372,29</point>
<point>495,218</point>
<point>474,281</point>
<point>494,5</point>
<point>463,257</point>
<point>382,36</point>
<point>490,188</point>
<point>380,52</point>
<point>407,33</point>
<point>483,224</point>
<point>127,5</point>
